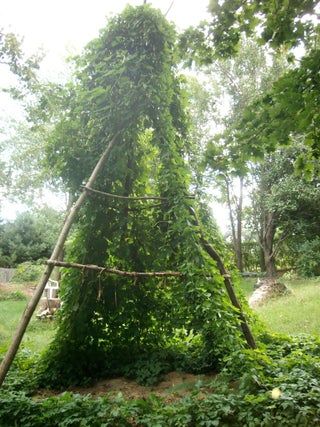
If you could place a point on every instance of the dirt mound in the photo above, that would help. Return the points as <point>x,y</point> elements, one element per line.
<point>174,386</point>
<point>266,290</point>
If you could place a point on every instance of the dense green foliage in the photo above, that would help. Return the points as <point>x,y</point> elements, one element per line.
<point>241,395</point>
<point>284,206</point>
<point>29,237</point>
<point>12,57</point>
<point>309,257</point>
<point>270,110</point>
<point>28,271</point>
<point>279,24</point>
<point>290,108</point>
<point>276,388</point>
<point>128,82</point>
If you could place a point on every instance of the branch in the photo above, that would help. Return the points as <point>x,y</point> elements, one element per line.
<point>233,229</point>
<point>169,8</point>
<point>282,238</point>
<point>269,220</point>
<point>116,196</point>
<point>107,270</point>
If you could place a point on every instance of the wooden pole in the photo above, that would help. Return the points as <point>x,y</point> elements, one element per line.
<point>29,310</point>
<point>106,270</point>
<point>227,282</point>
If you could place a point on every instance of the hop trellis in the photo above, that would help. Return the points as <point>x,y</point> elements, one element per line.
<point>114,308</point>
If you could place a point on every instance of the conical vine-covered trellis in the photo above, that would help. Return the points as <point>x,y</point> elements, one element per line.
<point>141,277</point>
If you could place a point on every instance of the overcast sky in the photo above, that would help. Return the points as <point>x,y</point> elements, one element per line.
<point>62,26</point>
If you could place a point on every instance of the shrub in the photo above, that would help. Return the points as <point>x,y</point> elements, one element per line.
<point>308,264</point>
<point>28,272</point>
<point>13,296</point>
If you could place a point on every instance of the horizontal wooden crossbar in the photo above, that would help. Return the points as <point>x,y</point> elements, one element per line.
<point>132,198</point>
<point>107,270</point>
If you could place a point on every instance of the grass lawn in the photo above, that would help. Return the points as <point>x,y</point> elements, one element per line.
<point>293,314</point>
<point>38,335</point>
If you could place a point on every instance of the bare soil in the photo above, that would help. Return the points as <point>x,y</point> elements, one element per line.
<point>174,386</point>
<point>26,288</point>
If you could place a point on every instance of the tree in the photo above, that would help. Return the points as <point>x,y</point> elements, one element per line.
<point>291,106</point>
<point>13,58</point>
<point>241,80</point>
<point>284,204</point>
<point>202,113</point>
<point>280,23</point>
<point>29,237</point>
<point>288,111</point>
<point>15,63</point>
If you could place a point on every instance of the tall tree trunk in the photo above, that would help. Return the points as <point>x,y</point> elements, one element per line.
<point>236,222</point>
<point>262,262</point>
<point>239,254</point>
<point>269,229</point>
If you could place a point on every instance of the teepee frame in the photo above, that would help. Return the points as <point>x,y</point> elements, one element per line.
<point>53,262</point>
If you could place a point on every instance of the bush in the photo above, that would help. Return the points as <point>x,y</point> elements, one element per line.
<point>309,259</point>
<point>147,371</point>
<point>28,272</point>
<point>13,296</point>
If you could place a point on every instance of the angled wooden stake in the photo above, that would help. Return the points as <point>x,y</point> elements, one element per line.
<point>29,310</point>
<point>227,282</point>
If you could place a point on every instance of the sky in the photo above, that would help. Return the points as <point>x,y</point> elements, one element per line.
<point>67,25</point>
<point>63,27</point>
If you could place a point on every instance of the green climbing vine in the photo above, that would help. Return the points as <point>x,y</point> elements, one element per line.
<point>127,82</point>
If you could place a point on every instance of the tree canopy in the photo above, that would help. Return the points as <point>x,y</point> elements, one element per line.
<point>280,23</point>
<point>22,66</point>
<point>29,237</point>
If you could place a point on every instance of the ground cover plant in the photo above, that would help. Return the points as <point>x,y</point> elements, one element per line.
<point>278,386</point>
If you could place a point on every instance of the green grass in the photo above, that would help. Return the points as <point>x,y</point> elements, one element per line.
<point>247,285</point>
<point>38,335</point>
<point>293,314</point>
